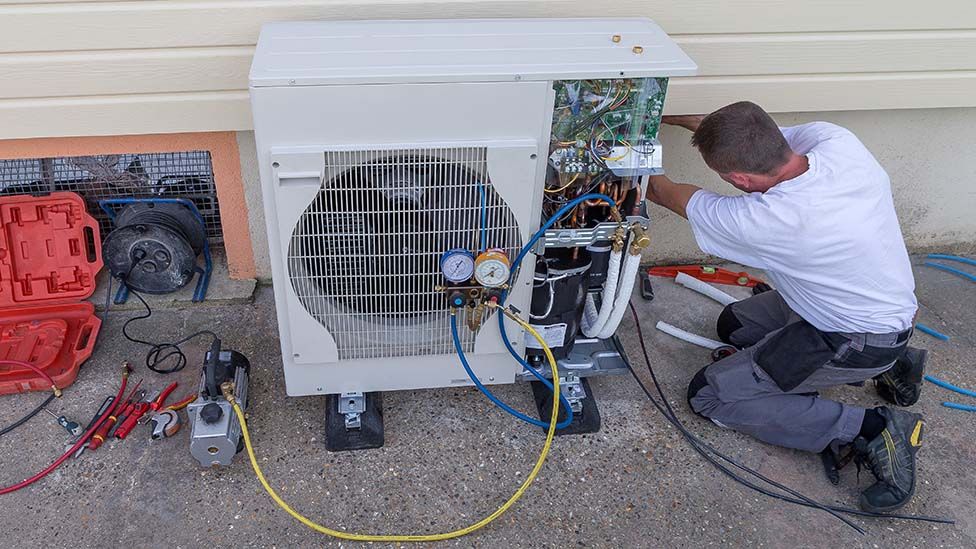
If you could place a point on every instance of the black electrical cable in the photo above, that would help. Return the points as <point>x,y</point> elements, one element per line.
<point>27,417</point>
<point>705,449</point>
<point>155,357</point>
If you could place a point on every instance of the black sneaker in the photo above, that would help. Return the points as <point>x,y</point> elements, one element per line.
<point>902,383</point>
<point>891,457</point>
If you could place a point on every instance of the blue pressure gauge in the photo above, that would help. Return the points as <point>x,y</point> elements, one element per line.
<point>457,265</point>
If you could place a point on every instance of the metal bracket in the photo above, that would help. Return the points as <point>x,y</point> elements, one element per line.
<point>352,405</point>
<point>580,238</point>
<point>574,391</point>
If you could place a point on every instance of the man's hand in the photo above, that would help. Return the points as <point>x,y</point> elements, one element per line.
<point>689,122</point>
<point>671,195</point>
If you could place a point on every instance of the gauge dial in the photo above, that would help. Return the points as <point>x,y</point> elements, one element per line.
<point>457,265</point>
<point>492,268</point>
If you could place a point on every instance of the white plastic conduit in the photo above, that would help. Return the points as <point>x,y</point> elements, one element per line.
<point>631,266</point>
<point>693,283</point>
<point>688,336</point>
<point>594,321</point>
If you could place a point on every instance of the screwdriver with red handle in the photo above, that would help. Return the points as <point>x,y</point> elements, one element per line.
<point>118,410</point>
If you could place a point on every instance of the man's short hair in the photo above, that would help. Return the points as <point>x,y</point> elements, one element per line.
<point>741,137</point>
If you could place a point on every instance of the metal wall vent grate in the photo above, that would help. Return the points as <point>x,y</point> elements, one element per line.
<point>364,256</point>
<point>151,175</point>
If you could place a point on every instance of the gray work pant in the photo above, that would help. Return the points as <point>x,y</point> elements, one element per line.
<point>769,389</point>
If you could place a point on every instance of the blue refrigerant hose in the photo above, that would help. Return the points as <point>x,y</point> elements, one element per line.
<point>946,385</point>
<point>934,333</point>
<point>501,325</point>
<point>957,406</point>
<point>515,264</point>
<point>491,396</point>
<point>953,270</point>
<point>948,257</point>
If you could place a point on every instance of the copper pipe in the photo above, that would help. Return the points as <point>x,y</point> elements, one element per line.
<point>602,189</point>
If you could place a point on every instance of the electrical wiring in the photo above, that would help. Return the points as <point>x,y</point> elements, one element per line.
<point>55,392</point>
<point>712,455</point>
<point>228,392</point>
<point>27,417</point>
<point>564,187</point>
<point>82,440</point>
<point>155,357</point>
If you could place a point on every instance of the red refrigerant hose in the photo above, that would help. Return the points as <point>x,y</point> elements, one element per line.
<point>35,369</point>
<point>78,444</point>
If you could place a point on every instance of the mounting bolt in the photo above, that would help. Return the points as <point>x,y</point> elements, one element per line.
<point>615,38</point>
<point>638,49</point>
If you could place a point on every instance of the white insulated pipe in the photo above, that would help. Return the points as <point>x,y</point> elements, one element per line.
<point>708,290</point>
<point>626,288</point>
<point>694,339</point>
<point>593,320</point>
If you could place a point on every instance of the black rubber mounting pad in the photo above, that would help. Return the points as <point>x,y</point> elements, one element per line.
<point>587,421</point>
<point>368,435</point>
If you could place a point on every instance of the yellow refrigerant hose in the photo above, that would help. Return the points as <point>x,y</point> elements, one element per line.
<point>228,391</point>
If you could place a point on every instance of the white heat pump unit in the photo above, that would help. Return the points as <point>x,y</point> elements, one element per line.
<point>385,144</point>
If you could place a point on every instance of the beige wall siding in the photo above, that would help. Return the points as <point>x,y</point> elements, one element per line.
<point>154,66</point>
<point>925,152</point>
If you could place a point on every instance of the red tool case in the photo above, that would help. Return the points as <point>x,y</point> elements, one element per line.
<point>50,252</point>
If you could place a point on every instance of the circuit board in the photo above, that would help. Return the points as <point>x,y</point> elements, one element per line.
<point>608,110</point>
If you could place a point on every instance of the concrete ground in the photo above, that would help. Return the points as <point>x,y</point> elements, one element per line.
<point>450,457</point>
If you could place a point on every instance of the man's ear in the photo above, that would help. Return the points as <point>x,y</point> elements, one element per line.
<point>741,181</point>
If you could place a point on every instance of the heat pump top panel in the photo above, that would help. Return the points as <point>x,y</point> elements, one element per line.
<point>445,50</point>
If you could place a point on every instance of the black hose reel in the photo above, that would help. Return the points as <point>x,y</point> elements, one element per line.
<point>155,245</point>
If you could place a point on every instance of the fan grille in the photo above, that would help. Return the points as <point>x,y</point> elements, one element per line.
<point>364,256</point>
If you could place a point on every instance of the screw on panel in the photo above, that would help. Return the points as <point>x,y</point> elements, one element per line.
<point>638,49</point>
<point>291,81</point>
<point>518,77</point>
<point>615,38</point>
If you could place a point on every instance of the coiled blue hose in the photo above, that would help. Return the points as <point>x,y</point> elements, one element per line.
<point>515,264</point>
<point>484,390</point>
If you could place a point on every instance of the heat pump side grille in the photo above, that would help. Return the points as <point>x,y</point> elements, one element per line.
<point>364,256</point>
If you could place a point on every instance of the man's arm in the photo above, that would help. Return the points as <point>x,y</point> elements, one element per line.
<point>689,122</point>
<point>671,195</point>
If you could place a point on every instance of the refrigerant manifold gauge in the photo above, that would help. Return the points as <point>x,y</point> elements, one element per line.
<point>457,265</point>
<point>492,268</point>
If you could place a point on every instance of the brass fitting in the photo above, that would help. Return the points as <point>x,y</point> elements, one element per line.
<point>227,389</point>
<point>57,392</point>
<point>619,237</point>
<point>615,214</point>
<point>475,317</point>
<point>640,240</point>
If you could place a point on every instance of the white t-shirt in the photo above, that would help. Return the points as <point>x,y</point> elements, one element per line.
<point>828,239</point>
